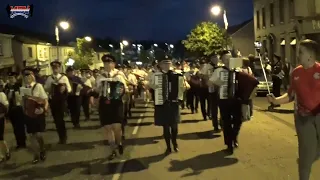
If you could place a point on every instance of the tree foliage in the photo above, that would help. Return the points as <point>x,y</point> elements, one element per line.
<point>83,55</point>
<point>206,38</point>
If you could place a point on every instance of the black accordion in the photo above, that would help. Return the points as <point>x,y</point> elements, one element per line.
<point>168,87</point>
<point>113,90</point>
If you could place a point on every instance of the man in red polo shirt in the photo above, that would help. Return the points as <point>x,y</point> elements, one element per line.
<point>305,91</point>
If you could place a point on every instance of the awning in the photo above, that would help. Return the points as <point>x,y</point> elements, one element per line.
<point>293,42</point>
<point>283,43</point>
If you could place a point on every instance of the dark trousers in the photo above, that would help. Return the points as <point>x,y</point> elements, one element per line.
<point>74,105</point>
<point>57,111</point>
<point>231,120</point>
<point>214,109</point>
<point>170,134</point>
<point>16,117</point>
<point>85,106</point>
<point>251,107</point>
<point>192,99</point>
<point>204,103</point>
<point>276,88</point>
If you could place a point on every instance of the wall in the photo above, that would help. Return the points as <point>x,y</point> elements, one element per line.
<point>244,39</point>
<point>17,54</point>
<point>6,59</point>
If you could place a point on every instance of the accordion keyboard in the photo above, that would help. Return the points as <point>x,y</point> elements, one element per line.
<point>158,92</point>
<point>223,92</point>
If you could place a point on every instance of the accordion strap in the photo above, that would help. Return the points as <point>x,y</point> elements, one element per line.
<point>34,86</point>
<point>57,80</point>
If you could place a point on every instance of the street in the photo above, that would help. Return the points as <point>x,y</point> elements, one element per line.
<point>267,151</point>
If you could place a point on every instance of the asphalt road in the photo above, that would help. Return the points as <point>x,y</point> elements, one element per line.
<point>268,151</point>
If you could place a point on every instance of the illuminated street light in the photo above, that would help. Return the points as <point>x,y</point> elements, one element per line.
<point>216,10</point>
<point>87,38</point>
<point>171,46</point>
<point>125,43</point>
<point>134,45</point>
<point>64,25</point>
<point>155,45</point>
<point>110,45</point>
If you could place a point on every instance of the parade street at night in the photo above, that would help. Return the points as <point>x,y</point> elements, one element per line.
<point>267,151</point>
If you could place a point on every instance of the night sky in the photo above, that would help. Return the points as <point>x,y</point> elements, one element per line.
<point>162,20</point>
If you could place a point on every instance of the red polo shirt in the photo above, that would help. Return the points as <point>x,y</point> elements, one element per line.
<point>305,86</point>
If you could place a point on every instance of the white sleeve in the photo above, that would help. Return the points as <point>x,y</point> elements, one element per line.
<point>215,76</point>
<point>65,80</point>
<point>42,92</point>
<point>4,99</point>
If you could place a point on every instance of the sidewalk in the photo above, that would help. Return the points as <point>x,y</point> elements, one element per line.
<point>268,151</point>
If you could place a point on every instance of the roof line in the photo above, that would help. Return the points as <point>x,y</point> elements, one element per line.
<point>246,24</point>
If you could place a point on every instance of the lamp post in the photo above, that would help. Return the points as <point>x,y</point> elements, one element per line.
<point>216,11</point>
<point>63,25</point>
<point>122,45</point>
<point>88,38</point>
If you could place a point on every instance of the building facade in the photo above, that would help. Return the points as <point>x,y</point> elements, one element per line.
<point>243,37</point>
<point>280,24</point>
<point>6,53</point>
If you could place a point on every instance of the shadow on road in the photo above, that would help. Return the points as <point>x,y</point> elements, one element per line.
<point>202,162</point>
<point>140,124</point>
<point>280,111</point>
<point>198,135</point>
<point>190,121</point>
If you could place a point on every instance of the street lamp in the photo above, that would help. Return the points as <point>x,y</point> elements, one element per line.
<point>88,39</point>
<point>155,45</point>
<point>216,10</point>
<point>171,46</point>
<point>63,25</point>
<point>122,44</point>
<point>110,45</point>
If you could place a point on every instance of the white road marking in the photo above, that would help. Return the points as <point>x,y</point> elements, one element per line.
<point>117,174</point>
<point>119,169</point>
<point>136,128</point>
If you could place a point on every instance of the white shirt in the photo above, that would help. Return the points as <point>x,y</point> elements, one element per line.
<point>93,81</point>
<point>50,81</point>
<point>4,99</point>
<point>87,82</point>
<point>132,79</point>
<point>115,75</point>
<point>207,70</point>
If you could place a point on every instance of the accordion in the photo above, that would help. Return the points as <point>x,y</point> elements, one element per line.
<point>113,90</point>
<point>31,103</point>
<point>241,85</point>
<point>56,90</point>
<point>168,87</point>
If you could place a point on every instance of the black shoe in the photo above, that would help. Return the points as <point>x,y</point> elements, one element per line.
<point>43,155</point>
<point>120,149</point>
<point>168,151</point>
<point>229,150</point>
<point>216,130</point>
<point>176,149</point>
<point>235,144</point>
<point>112,156</point>
<point>35,160</point>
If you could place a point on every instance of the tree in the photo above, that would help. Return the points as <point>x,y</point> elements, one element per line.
<point>83,55</point>
<point>207,39</point>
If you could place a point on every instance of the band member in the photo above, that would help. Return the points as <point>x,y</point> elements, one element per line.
<point>35,104</point>
<point>212,91</point>
<point>111,87</point>
<point>15,112</point>
<point>95,74</point>
<point>132,86</point>
<point>230,108</point>
<point>204,89</point>
<point>247,69</point>
<point>304,90</point>
<point>58,87</point>
<point>87,81</point>
<point>74,98</point>
<point>155,68</point>
<point>38,77</point>
<point>167,112</point>
<point>4,104</point>
<point>193,92</point>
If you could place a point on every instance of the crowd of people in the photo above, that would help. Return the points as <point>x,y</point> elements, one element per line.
<point>211,81</point>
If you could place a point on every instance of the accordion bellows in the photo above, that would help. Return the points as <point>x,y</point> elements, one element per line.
<point>31,103</point>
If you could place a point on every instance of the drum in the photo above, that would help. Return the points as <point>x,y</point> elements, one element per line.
<point>31,103</point>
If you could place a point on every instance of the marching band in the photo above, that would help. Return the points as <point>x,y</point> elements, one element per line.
<point>170,88</point>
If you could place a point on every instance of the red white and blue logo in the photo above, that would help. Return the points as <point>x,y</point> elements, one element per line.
<point>24,11</point>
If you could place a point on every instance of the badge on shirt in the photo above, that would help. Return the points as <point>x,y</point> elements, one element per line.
<point>316,75</point>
